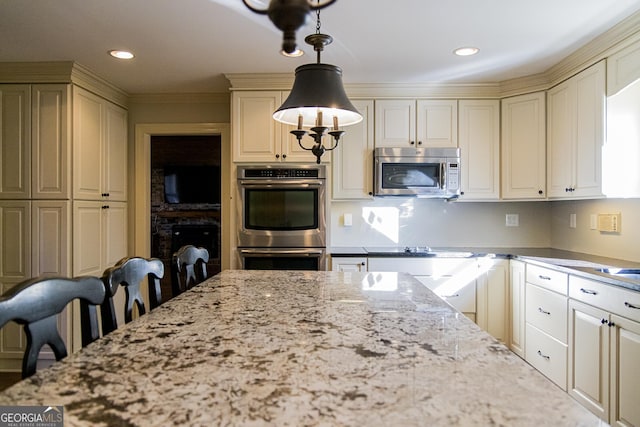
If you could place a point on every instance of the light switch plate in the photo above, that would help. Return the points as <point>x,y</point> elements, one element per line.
<point>572,220</point>
<point>347,219</point>
<point>512,220</point>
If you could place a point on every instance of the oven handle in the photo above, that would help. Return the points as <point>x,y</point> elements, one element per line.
<point>272,252</point>
<point>272,183</point>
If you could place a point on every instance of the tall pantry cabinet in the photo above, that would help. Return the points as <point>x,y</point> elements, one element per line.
<point>42,131</point>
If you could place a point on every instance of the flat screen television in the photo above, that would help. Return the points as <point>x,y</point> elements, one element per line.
<point>192,184</point>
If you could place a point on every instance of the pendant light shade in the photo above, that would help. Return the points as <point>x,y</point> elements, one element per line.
<point>317,88</point>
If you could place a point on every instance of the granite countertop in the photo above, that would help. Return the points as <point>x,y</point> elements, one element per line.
<point>581,264</point>
<point>294,348</point>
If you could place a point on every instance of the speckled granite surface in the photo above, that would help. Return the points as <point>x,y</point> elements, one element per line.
<point>255,348</point>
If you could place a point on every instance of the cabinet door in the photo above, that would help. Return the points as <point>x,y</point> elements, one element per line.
<point>15,141</point>
<point>256,135</point>
<point>625,375</point>
<point>51,237</point>
<point>479,122</point>
<point>88,245</point>
<point>395,123</point>
<point>517,288</point>
<point>115,153</point>
<point>588,379</point>
<point>88,130</point>
<point>15,266</point>
<point>51,158</point>
<point>590,119</point>
<point>523,147</point>
<point>492,306</point>
<point>348,264</point>
<point>114,232</point>
<point>561,119</point>
<point>437,123</point>
<point>353,159</point>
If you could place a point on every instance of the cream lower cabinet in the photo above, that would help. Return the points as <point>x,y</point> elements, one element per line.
<point>358,264</point>
<point>35,241</point>
<point>546,322</point>
<point>517,283</point>
<point>492,297</point>
<point>604,350</point>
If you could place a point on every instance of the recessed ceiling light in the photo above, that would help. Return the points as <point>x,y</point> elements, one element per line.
<point>296,53</point>
<point>466,51</point>
<point>121,54</point>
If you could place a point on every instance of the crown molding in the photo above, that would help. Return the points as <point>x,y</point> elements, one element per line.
<point>61,72</point>
<point>180,98</point>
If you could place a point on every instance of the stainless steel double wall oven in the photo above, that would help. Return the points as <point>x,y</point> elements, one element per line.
<point>282,217</point>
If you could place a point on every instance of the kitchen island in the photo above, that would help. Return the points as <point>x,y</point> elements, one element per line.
<point>300,348</point>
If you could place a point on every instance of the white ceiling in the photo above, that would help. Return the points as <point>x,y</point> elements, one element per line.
<point>188,45</point>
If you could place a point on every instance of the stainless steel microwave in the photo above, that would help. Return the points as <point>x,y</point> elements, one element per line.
<point>418,172</point>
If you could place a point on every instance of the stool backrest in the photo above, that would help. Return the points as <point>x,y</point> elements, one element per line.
<point>130,272</point>
<point>188,268</point>
<point>35,303</point>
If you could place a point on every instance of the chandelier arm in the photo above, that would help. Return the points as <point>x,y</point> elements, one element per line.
<point>258,11</point>
<point>322,6</point>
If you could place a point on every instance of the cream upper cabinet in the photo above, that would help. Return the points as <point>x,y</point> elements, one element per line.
<point>99,148</point>
<point>623,68</point>
<point>34,124</point>
<point>575,135</point>
<point>352,162</point>
<point>257,137</point>
<point>417,123</point>
<point>523,147</point>
<point>15,140</point>
<point>479,123</point>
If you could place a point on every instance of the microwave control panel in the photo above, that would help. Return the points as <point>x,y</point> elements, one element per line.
<point>453,176</point>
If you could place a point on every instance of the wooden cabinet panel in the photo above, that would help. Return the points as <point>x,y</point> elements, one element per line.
<point>358,264</point>
<point>625,375</point>
<point>395,123</point>
<point>518,307</point>
<point>437,123</point>
<point>547,355</point>
<point>547,311</point>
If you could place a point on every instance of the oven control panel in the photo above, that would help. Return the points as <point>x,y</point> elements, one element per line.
<point>248,172</point>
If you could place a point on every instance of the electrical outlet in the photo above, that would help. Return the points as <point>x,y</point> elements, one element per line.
<point>572,220</point>
<point>512,220</point>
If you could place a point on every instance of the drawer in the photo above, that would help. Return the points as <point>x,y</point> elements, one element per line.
<point>549,279</point>
<point>617,300</point>
<point>547,311</point>
<point>456,290</point>
<point>547,355</point>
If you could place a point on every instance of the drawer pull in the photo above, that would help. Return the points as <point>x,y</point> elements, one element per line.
<point>543,311</point>
<point>588,291</point>
<point>544,356</point>
<point>544,277</point>
<point>450,296</point>
<point>631,305</point>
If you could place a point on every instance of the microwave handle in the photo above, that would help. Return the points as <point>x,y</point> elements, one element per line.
<point>443,181</point>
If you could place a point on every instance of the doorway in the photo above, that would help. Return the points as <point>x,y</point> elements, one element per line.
<point>140,217</point>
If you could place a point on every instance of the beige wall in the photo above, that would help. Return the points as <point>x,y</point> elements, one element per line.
<point>623,245</point>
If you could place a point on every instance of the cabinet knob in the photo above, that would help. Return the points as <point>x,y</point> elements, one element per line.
<point>419,142</point>
<point>362,263</point>
<point>412,143</point>
<point>284,156</point>
<point>277,156</point>
<point>105,206</point>
<point>540,192</point>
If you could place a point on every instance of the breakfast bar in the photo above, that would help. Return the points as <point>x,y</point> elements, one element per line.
<point>299,348</point>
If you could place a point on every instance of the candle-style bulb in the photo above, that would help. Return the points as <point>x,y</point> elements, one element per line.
<point>335,122</point>
<point>319,118</point>
<point>299,121</point>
